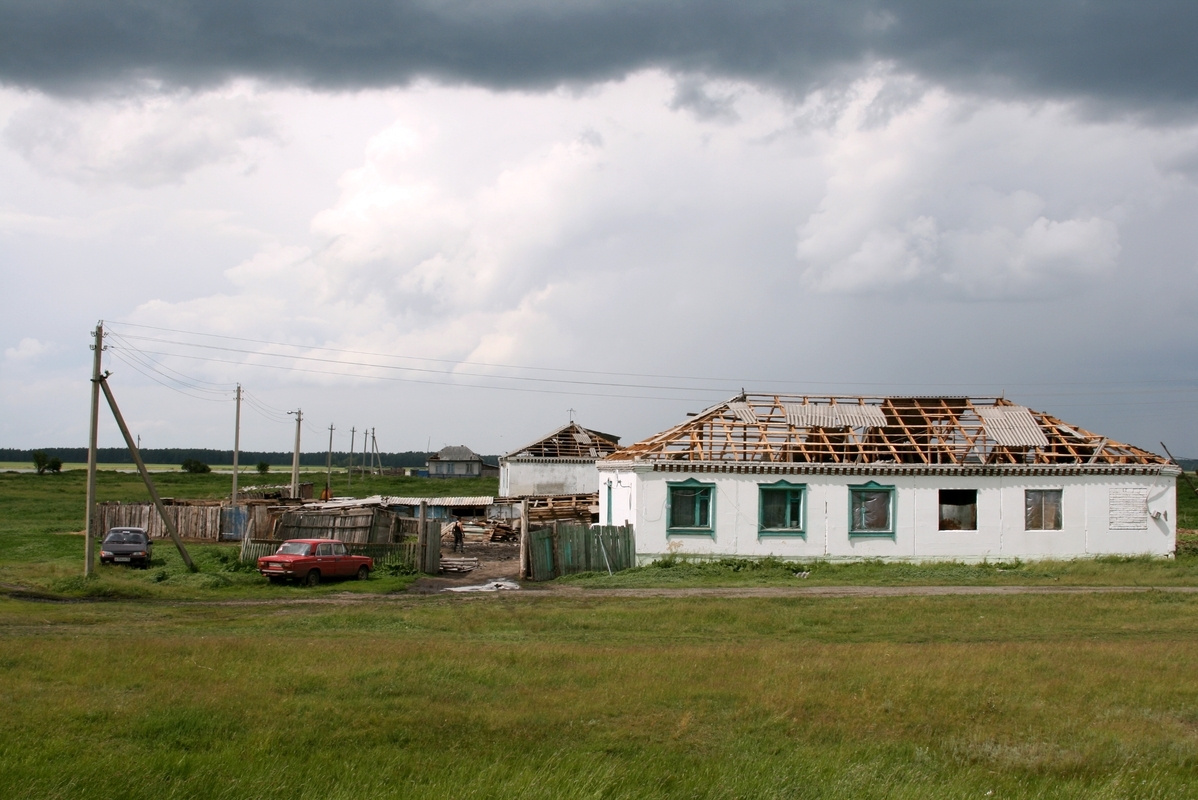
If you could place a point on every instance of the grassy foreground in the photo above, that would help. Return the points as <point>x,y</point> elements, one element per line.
<point>538,696</point>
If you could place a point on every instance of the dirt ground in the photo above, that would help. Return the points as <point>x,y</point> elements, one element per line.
<point>495,560</point>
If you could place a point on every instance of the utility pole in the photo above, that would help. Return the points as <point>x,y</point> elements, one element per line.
<point>236,444</point>
<point>299,420</point>
<point>328,475</point>
<point>374,455</point>
<point>349,469</point>
<point>89,546</point>
<point>145,474</point>
<point>363,451</point>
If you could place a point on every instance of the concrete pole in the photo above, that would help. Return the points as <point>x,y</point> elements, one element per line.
<point>236,444</point>
<point>328,474</point>
<point>299,420</point>
<point>89,546</point>
<point>349,469</point>
<point>145,474</point>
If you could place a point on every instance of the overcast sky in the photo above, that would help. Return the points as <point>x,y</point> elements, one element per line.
<point>462,222</point>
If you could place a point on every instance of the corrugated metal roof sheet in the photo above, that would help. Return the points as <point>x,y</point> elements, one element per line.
<point>815,415</point>
<point>743,412</point>
<point>439,501</point>
<point>1012,426</point>
<point>380,500</point>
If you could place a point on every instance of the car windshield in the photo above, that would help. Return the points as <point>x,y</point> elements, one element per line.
<point>294,549</point>
<point>123,537</point>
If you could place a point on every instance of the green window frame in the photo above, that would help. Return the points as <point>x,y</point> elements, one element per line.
<point>690,508</point>
<point>782,509</point>
<point>871,510</point>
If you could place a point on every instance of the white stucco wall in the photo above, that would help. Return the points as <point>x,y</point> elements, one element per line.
<point>639,498</point>
<point>537,477</point>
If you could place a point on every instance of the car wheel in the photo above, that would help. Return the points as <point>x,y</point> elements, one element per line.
<point>363,573</point>
<point>312,578</point>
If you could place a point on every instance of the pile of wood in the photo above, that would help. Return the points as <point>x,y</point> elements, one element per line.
<point>458,564</point>
<point>503,532</point>
<point>565,507</point>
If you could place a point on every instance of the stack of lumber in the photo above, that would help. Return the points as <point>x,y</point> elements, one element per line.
<point>502,532</point>
<point>458,564</point>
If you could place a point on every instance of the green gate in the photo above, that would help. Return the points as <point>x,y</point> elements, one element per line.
<point>567,548</point>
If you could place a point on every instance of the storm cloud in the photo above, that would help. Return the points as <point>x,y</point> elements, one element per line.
<point>1109,54</point>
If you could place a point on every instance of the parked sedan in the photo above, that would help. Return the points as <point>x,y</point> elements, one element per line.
<point>127,546</point>
<point>312,560</point>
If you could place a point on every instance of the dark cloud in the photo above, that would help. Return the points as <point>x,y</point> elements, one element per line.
<point>1136,55</point>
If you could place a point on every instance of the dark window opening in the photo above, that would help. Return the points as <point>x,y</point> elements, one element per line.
<point>958,509</point>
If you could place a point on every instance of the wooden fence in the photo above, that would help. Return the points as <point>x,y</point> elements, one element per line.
<point>566,549</point>
<point>357,525</point>
<point>405,554</point>
<point>192,520</point>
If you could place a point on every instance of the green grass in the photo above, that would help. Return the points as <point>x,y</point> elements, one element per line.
<point>37,510</point>
<point>542,697</point>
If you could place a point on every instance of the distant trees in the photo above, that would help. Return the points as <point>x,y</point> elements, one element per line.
<point>263,467</point>
<point>44,463</point>
<point>195,466</point>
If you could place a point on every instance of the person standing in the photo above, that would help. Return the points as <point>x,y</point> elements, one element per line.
<point>459,537</point>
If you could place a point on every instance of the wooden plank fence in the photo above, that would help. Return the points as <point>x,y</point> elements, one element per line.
<point>566,549</point>
<point>192,521</point>
<point>357,525</point>
<point>405,554</point>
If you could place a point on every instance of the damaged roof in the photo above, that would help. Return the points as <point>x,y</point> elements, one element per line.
<point>779,428</point>
<point>570,441</point>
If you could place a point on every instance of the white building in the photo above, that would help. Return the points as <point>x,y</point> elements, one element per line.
<point>887,477</point>
<point>562,462</point>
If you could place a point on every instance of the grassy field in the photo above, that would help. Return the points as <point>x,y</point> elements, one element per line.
<point>216,685</point>
<point>540,696</point>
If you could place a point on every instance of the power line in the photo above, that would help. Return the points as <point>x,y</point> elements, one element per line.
<point>1188,382</point>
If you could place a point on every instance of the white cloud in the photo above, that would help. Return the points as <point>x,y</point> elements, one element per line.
<point>950,198</point>
<point>27,349</point>
<point>142,140</point>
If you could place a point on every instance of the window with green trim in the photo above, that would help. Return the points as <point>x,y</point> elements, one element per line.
<point>691,507</point>
<point>781,509</point>
<point>871,510</point>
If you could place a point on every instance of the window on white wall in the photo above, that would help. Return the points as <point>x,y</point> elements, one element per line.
<point>871,510</point>
<point>958,509</point>
<point>781,509</point>
<point>690,507</point>
<point>1042,509</point>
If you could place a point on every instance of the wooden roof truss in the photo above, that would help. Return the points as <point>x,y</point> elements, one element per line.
<point>769,428</point>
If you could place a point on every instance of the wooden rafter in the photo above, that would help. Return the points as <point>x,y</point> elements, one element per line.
<point>917,430</point>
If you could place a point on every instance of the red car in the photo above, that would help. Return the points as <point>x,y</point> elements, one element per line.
<point>310,560</point>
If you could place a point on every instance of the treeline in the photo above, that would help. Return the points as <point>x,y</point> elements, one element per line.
<point>248,458</point>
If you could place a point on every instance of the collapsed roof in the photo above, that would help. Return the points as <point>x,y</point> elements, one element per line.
<point>570,441</point>
<point>776,428</point>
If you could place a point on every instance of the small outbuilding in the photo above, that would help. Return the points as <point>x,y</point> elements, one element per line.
<point>561,463</point>
<point>459,461</point>
<point>918,478</point>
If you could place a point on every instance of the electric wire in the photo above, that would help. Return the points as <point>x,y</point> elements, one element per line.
<point>1190,383</point>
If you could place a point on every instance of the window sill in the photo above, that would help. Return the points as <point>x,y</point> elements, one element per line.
<point>708,532</point>
<point>781,534</point>
<point>871,534</point>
